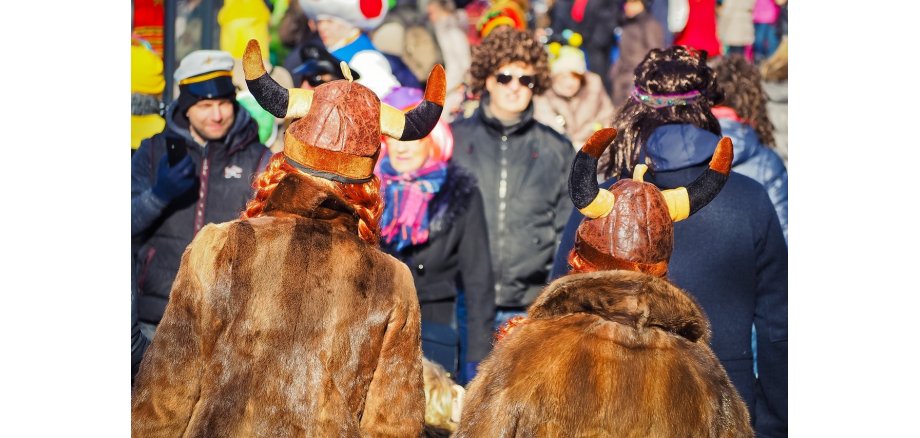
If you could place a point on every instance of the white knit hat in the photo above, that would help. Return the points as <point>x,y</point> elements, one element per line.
<point>569,60</point>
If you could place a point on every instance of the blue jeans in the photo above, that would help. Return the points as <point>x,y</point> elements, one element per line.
<point>765,40</point>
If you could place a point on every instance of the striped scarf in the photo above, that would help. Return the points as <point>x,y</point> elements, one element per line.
<point>406,197</point>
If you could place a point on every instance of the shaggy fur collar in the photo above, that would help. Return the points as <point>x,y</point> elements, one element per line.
<point>305,196</point>
<point>631,298</point>
<point>451,201</point>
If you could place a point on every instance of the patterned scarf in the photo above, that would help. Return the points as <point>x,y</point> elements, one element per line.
<point>406,197</point>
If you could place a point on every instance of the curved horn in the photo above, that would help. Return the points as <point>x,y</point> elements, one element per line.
<point>277,100</point>
<point>684,201</point>
<point>587,196</point>
<point>419,121</point>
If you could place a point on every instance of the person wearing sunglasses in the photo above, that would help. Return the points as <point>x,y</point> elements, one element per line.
<point>520,164</point>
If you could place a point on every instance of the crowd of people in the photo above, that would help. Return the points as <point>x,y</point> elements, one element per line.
<point>355,215</point>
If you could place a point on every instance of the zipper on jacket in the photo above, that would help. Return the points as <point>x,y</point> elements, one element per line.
<point>202,189</point>
<point>502,206</point>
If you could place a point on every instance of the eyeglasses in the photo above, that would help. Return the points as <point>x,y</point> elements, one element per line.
<point>525,80</point>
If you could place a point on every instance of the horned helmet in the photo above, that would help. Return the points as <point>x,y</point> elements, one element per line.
<point>630,226</point>
<point>337,136</point>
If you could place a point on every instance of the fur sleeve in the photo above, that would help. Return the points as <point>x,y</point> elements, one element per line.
<point>167,385</point>
<point>395,404</point>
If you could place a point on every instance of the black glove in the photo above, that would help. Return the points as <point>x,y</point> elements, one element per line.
<point>176,180</point>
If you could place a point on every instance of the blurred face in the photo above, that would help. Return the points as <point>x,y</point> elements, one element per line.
<point>407,156</point>
<point>567,84</point>
<point>633,7</point>
<point>509,96</point>
<point>210,119</point>
<point>333,31</point>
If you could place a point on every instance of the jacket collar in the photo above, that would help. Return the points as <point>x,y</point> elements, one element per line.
<point>495,124</point>
<point>303,196</point>
<point>673,147</point>
<point>630,298</point>
<point>240,135</point>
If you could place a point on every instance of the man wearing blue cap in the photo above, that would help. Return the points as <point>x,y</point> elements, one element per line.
<point>197,171</point>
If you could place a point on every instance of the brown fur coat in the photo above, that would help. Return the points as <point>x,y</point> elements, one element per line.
<point>612,353</point>
<point>285,325</point>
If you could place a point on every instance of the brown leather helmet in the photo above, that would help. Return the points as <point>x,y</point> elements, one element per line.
<point>630,226</point>
<point>338,134</point>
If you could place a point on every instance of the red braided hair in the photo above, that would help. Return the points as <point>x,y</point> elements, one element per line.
<point>364,197</point>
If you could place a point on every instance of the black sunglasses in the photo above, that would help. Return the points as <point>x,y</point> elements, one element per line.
<point>525,80</point>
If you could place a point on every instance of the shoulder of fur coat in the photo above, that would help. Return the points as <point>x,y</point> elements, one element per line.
<point>285,324</point>
<point>612,353</point>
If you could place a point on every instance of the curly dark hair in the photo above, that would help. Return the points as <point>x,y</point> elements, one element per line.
<point>672,70</point>
<point>743,93</point>
<point>503,46</point>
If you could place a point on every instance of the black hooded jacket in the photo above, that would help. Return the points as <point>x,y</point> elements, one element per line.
<point>160,232</point>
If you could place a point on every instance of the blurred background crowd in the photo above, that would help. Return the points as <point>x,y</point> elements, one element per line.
<point>479,210</point>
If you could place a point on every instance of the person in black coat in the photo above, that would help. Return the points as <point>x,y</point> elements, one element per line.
<point>434,222</point>
<point>731,255</point>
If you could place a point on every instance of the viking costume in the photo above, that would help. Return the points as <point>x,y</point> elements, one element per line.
<point>288,323</point>
<point>614,349</point>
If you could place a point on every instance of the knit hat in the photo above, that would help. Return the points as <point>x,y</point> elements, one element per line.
<point>630,226</point>
<point>406,98</point>
<point>146,71</point>
<point>338,134</point>
<point>363,14</point>
<point>567,59</point>
<point>204,74</point>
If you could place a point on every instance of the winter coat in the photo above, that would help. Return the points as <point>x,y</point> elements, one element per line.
<point>285,325</point>
<point>455,48</point>
<point>700,32</point>
<point>640,34</point>
<point>760,163</point>
<point>765,11</point>
<point>778,110</point>
<point>732,258</point>
<point>596,26</point>
<point>611,353</point>
<point>579,116</point>
<point>521,171</point>
<point>736,22</point>
<point>456,253</point>
<point>160,231</point>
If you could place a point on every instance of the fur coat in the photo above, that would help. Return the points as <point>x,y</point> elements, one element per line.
<point>285,325</point>
<point>612,353</point>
